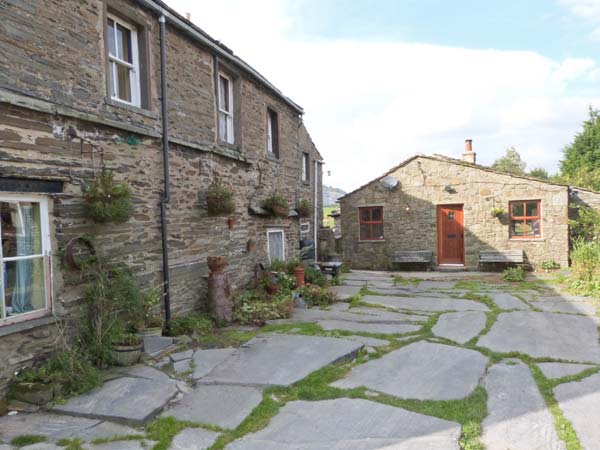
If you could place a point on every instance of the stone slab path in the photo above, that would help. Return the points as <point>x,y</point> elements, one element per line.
<point>350,424</point>
<point>374,315</point>
<point>560,336</point>
<point>560,370</point>
<point>423,371</point>
<point>460,327</point>
<point>279,360</point>
<point>368,327</point>
<point>425,303</point>
<point>580,402</point>
<point>508,301</point>
<point>194,439</point>
<point>518,418</point>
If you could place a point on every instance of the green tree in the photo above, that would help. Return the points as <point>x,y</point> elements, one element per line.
<point>540,173</point>
<point>584,151</point>
<point>511,162</point>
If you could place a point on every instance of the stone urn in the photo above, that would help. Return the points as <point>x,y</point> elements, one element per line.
<point>219,296</point>
<point>216,264</point>
<point>299,274</point>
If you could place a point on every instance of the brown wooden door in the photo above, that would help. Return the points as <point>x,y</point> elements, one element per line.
<point>451,234</point>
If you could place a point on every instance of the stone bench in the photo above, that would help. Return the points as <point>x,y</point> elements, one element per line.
<point>412,257</point>
<point>501,256</point>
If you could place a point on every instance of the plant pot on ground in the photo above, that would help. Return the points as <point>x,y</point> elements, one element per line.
<point>36,393</point>
<point>216,264</point>
<point>220,199</point>
<point>152,323</point>
<point>276,205</point>
<point>127,350</point>
<point>152,326</point>
<point>304,208</point>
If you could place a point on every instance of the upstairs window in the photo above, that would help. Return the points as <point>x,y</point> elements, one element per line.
<point>123,62</point>
<point>226,130</point>
<point>371,223</point>
<point>305,167</point>
<point>25,259</point>
<point>272,133</point>
<point>525,219</point>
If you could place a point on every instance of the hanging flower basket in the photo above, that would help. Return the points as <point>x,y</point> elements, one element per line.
<point>498,213</point>
<point>220,199</point>
<point>108,201</point>
<point>277,206</point>
<point>304,208</point>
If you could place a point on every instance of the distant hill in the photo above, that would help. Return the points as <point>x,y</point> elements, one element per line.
<point>330,195</point>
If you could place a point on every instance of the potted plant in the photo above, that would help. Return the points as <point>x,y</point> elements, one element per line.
<point>151,324</point>
<point>498,212</point>
<point>127,349</point>
<point>276,205</point>
<point>269,282</point>
<point>216,264</point>
<point>304,208</point>
<point>108,201</point>
<point>220,199</point>
<point>33,386</point>
<point>295,265</point>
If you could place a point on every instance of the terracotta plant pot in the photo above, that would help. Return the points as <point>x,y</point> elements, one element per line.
<point>127,355</point>
<point>250,245</point>
<point>272,289</point>
<point>299,274</point>
<point>216,264</point>
<point>231,222</point>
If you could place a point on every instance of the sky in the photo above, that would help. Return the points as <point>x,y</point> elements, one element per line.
<point>382,81</point>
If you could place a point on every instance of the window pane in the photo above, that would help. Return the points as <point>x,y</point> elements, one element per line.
<point>517,228</point>
<point>21,229</point>
<point>222,126</point>
<point>224,94</point>
<point>124,85</point>
<point>451,215</point>
<point>536,227</point>
<point>517,209</point>
<point>531,209</point>
<point>376,214</point>
<point>24,286</point>
<point>365,231</point>
<point>124,43</point>
<point>111,38</point>
<point>276,246</point>
<point>377,231</point>
<point>365,214</point>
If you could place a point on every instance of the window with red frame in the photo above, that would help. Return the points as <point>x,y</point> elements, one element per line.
<point>371,223</point>
<point>525,219</point>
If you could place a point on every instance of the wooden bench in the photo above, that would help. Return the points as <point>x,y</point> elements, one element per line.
<point>331,267</point>
<point>412,257</point>
<point>501,256</point>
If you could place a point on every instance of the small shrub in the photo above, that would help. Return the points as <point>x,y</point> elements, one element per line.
<point>250,307</point>
<point>313,275</point>
<point>27,439</point>
<point>193,323</point>
<point>277,205</point>
<point>586,226</point>
<point>514,274</point>
<point>315,295</point>
<point>585,274</point>
<point>550,265</point>
<point>304,208</point>
<point>220,198</point>
<point>108,201</point>
<point>498,212</point>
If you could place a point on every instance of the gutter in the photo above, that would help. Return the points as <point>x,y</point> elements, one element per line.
<point>166,192</point>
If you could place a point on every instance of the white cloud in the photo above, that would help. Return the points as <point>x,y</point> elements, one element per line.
<point>588,10</point>
<point>370,104</point>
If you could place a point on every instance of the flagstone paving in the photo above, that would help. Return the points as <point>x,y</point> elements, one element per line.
<point>460,327</point>
<point>538,334</point>
<point>508,301</point>
<point>350,424</point>
<point>560,370</point>
<point>423,371</point>
<point>368,327</point>
<point>194,439</point>
<point>518,418</point>
<point>425,303</point>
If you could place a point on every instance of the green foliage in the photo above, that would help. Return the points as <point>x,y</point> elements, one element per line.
<point>27,439</point>
<point>582,156</point>
<point>220,198</point>
<point>540,173</point>
<point>71,444</point>
<point>315,295</point>
<point>313,275</point>
<point>108,201</point>
<point>585,274</point>
<point>192,323</point>
<point>70,369</point>
<point>498,212</point>
<point>150,299</point>
<point>164,429</point>
<point>400,280</point>
<point>514,274</point>
<point>254,307</point>
<point>511,163</point>
<point>277,205</point>
<point>550,265</point>
<point>587,224</point>
<point>304,208</point>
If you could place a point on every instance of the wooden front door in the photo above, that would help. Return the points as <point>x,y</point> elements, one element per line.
<point>451,234</point>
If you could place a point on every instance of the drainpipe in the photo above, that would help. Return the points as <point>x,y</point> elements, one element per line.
<point>316,211</point>
<point>166,192</point>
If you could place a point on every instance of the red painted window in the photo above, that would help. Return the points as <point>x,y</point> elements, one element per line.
<point>371,223</point>
<point>525,219</point>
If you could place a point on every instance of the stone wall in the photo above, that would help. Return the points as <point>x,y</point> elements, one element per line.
<point>410,213</point>
<point>53,86</point>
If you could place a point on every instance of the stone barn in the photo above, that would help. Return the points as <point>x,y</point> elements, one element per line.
<point>456,211</point>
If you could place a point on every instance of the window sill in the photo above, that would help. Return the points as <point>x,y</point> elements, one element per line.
<point>228,146</point>
<point>272,157</point>
<point>527,240</point>
<point>27,325</point>
<point>306,183</point>
<point>135,109</point>
<point>370,240</point>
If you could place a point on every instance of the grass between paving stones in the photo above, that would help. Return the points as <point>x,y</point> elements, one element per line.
<point>123,437</point>
<point>27,439</point>
<point>71,444</point>
<point>164,429</point>
<point>400,280</point>
<point>233,338</point>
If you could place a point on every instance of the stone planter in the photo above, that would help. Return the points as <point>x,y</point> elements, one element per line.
<point>220,305</point>
<point>35,393</point>
<point>149,331</point>
<point>299,274</point>
<point>127,355</point>
<point>216,264</point>
<point>280,211</point>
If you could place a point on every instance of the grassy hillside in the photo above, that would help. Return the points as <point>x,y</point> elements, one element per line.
<point>328,221</point>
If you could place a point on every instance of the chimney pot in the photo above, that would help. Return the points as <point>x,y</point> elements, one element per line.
<point>188,16</point>
<point>469,155</point>
<point>469,145</point>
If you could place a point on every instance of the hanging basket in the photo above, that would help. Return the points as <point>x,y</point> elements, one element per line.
<point>220,199</point>
<point>277,206</point>
<point>108,201</point>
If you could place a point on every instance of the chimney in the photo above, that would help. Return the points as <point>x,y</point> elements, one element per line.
<point>469,155</point>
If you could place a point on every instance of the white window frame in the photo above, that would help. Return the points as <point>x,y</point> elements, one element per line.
<point>305,167</point>
<point>46,255</point>
<point>269,232</point>
<point>230,135</point>
<point>304,229</point>
<point>269,133</point>
<point>134,67</point>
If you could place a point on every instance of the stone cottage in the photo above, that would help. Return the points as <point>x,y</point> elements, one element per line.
<point>137,88</point>
<point>457,209</point>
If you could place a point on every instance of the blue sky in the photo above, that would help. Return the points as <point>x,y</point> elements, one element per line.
<point>381,81</point>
